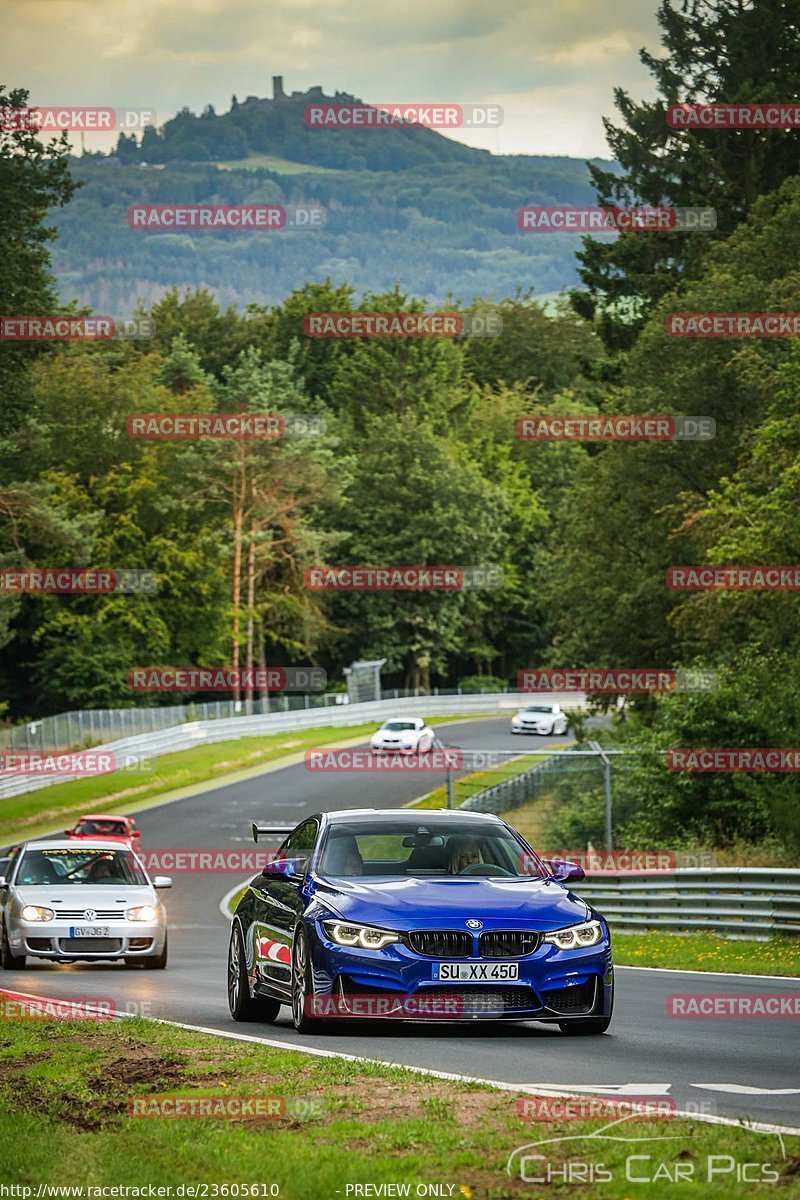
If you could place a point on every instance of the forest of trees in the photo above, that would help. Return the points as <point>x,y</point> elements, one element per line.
<point>419,462</point>
<point>443,229</point>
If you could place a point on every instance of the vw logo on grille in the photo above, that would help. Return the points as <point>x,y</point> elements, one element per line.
<point>90,915</point>
<point>473,923</point>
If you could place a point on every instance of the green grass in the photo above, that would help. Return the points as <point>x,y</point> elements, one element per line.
<point>467,785</point>
<point>169,775</point>
<point>708,952</point>
<point>272,162</point>
<point>64,1120</point>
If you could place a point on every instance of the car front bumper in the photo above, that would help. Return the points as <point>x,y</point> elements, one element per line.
<point>553,985</point>
<point>54,940</point>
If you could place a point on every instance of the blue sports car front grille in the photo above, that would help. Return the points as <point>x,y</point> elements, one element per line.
<point>508,943</point>
<point>441,943</point>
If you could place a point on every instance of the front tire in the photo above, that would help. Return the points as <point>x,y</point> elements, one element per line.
<point>9,961</point>
<point>588,1026</point>
<point>243,1006</point>
<point>302,986</point>
<point>157,962</point>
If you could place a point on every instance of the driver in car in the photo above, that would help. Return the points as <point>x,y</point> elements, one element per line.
<point>102,870</point>
<point>463,853</point>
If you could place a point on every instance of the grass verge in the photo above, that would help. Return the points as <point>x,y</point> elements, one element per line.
<point>708,952</point>
<point>467,785</point>
<point>65,1089</point>
<point>39,811</point>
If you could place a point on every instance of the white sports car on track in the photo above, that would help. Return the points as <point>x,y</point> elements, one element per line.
<point>67,900</point>
<point>545,718</point>
<point>406,735</point>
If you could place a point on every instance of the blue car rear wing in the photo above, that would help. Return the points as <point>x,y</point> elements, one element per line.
<point>263,831</point>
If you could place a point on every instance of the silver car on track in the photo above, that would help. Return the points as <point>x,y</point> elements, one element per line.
<point>65,900</point>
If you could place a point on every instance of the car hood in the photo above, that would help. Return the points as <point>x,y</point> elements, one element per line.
<point>86,895</point>
<point>447,903</point>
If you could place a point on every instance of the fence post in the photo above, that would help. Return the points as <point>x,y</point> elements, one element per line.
<point>449,788</point>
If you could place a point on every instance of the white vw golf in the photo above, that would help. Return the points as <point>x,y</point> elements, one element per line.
<point>64,901</point>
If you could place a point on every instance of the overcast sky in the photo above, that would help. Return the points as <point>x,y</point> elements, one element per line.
<point>552,66</point>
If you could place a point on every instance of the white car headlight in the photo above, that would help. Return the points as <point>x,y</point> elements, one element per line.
<point>144,912</point>
<point>33,912</point>
<point>366,937</point>
<point>576,936</point>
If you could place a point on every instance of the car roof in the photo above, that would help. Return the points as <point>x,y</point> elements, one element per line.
<point>412,815</point>
<point>102,817</point>
<point>95,843</point>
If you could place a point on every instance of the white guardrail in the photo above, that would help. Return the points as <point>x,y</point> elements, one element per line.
<point>754,902</point>
<point>133,751</point>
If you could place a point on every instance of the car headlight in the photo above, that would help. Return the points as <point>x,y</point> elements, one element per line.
<point>576,936</point>
<point>364,936</point>
<point>33,912</point>
<point>145,912</point>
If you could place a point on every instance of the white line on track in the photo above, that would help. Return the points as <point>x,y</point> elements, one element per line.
<point>523,1088</point>
<point>709,974</point>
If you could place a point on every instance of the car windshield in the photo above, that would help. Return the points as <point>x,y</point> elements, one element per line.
<point>399,726</point>
<point>39,868</point>
<point>542,708</point>
<point>102,828</point>
<point>397,847</point>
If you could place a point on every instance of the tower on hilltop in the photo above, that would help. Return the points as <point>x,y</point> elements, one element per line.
<point>277,88</point>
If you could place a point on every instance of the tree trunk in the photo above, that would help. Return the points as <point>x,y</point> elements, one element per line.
<point>263,690</point>
<point>251,592</point>
<point>237,494</point>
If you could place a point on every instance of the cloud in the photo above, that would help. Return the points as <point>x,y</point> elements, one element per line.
<point>553,66</point>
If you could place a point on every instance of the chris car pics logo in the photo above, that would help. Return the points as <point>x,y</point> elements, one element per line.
<point>648,1165</point>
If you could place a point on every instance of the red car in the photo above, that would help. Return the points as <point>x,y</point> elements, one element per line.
<point>110,828</point>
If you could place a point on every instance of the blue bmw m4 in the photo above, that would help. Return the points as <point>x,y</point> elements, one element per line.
<point>424,915</point>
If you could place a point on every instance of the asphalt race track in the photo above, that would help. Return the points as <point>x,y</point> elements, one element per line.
<point>740,1068</point>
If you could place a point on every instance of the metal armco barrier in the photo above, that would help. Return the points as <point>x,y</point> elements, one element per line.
<point>131,750</point>
<point>517,790</point>
<point>755,902</point>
